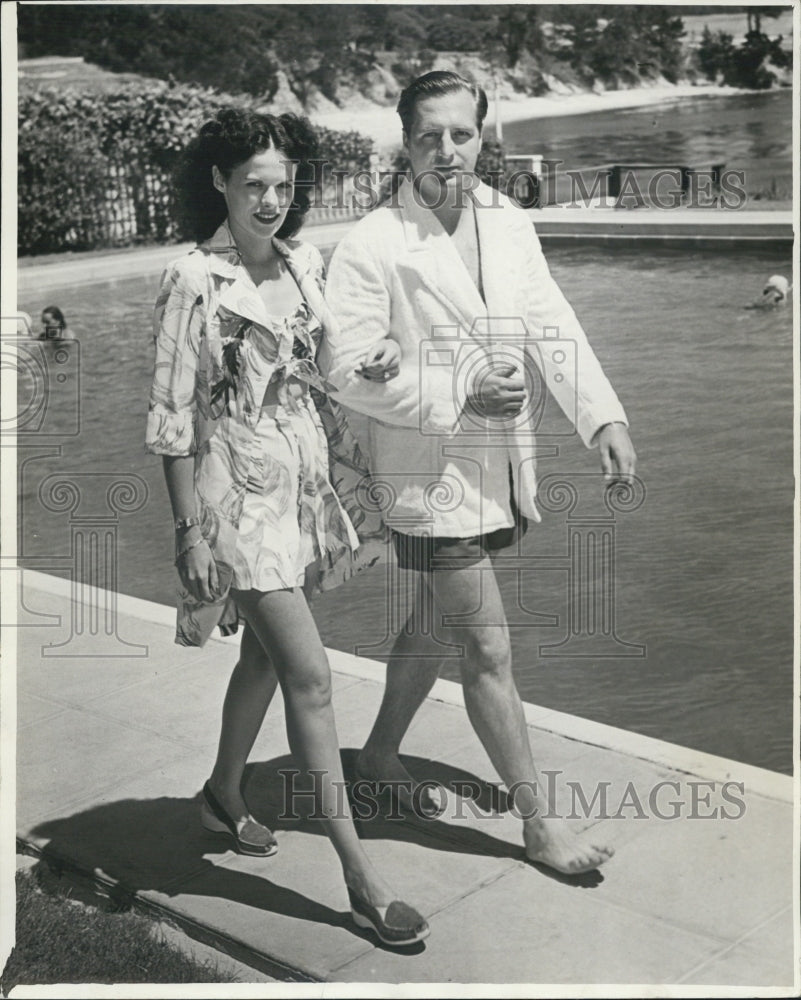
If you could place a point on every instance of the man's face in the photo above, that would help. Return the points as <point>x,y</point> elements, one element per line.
<point>443,144</point>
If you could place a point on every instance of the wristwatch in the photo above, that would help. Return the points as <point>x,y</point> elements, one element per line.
<point>186,522</point>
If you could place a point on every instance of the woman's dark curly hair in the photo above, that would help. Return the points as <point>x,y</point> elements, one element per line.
<point>231,138</point>
<point>57,315</point>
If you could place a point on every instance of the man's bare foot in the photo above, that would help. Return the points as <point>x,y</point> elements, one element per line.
<point>551,842</point>
<point>408,792</point>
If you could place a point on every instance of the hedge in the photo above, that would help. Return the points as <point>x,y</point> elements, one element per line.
<point>94,169</point>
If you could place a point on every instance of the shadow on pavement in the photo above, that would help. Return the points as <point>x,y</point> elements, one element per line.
<point>159,845</point>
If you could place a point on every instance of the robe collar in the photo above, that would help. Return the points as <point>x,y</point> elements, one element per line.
<point>240,294</point>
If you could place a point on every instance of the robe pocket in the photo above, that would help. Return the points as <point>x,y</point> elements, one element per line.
<point>406,465</point>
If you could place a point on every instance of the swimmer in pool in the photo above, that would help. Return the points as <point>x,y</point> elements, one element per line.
<point>54,326</point>
<point>774,294</point>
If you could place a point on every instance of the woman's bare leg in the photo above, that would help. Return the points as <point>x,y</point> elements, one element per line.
<point>250,691</point>
<point>283,623</point>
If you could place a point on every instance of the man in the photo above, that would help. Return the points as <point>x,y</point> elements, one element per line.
<point>450,435</point>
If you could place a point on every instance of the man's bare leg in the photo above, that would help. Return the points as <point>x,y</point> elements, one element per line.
<point>412,669</point>
<point>496,712</point>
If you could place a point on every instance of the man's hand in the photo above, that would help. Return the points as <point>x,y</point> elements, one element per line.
<point>498,394</point>
<point>382,362</point>
<point>618,458</point>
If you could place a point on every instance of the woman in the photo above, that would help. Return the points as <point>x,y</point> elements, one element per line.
<point>238,321</point>
<point>54,326</point>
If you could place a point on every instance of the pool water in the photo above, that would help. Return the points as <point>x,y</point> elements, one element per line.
<point>751,132</point>
<point>703,567</point>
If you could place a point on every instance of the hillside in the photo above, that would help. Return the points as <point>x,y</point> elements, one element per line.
<point>322,57</point>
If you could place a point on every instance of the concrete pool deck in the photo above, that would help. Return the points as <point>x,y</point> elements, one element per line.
<point>555,224</point>
<point>115,741</point>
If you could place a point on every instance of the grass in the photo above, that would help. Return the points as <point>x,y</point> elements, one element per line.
<point>60,940</point>
<point>81,75</point>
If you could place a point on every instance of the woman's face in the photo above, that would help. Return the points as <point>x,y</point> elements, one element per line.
<point>49,323</point>
<point>258,194</point>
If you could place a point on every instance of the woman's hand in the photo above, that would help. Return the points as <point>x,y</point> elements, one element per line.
<point>382,362</point>
<point>197,569</point>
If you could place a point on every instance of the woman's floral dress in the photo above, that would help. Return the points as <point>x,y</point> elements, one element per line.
<point>289,500</point>
<point>278,486</point>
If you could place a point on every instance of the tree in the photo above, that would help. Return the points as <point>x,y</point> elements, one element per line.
<point>621,43</point>
<point>715,53</point>
<point>406,28</point>
<point>577,33</point>
<point>518,29</point>
<point>742,66</point>
<point>454,33</point>
<point>748,61</point>
<point>315,41</point>
<point>659,35</point>
<point>755,15</point>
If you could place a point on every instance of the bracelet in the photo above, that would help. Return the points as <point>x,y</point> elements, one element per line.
<point>186,522</point>
<point>183,552</point>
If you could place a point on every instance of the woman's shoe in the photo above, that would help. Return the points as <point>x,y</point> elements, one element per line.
<point>396,925</point>
<point>249,836</point>
<point>417,808</point>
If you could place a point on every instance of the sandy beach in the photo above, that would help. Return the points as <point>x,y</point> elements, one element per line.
<point>382,124</point>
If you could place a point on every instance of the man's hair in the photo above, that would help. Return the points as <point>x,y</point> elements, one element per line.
<point>438,84</point>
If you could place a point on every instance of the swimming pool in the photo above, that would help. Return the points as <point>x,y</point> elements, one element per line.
<point>750,132</point>
<point>704,565</point>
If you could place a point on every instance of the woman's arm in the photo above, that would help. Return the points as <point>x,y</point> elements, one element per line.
<point>194,560</point>
<point>172,419</point>
<point>421,396</point>
<point>178,322</point>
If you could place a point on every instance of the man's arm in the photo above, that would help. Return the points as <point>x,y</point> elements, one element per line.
<point>359,295</point>
<point>570,368</point>
<point>578,383</point>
